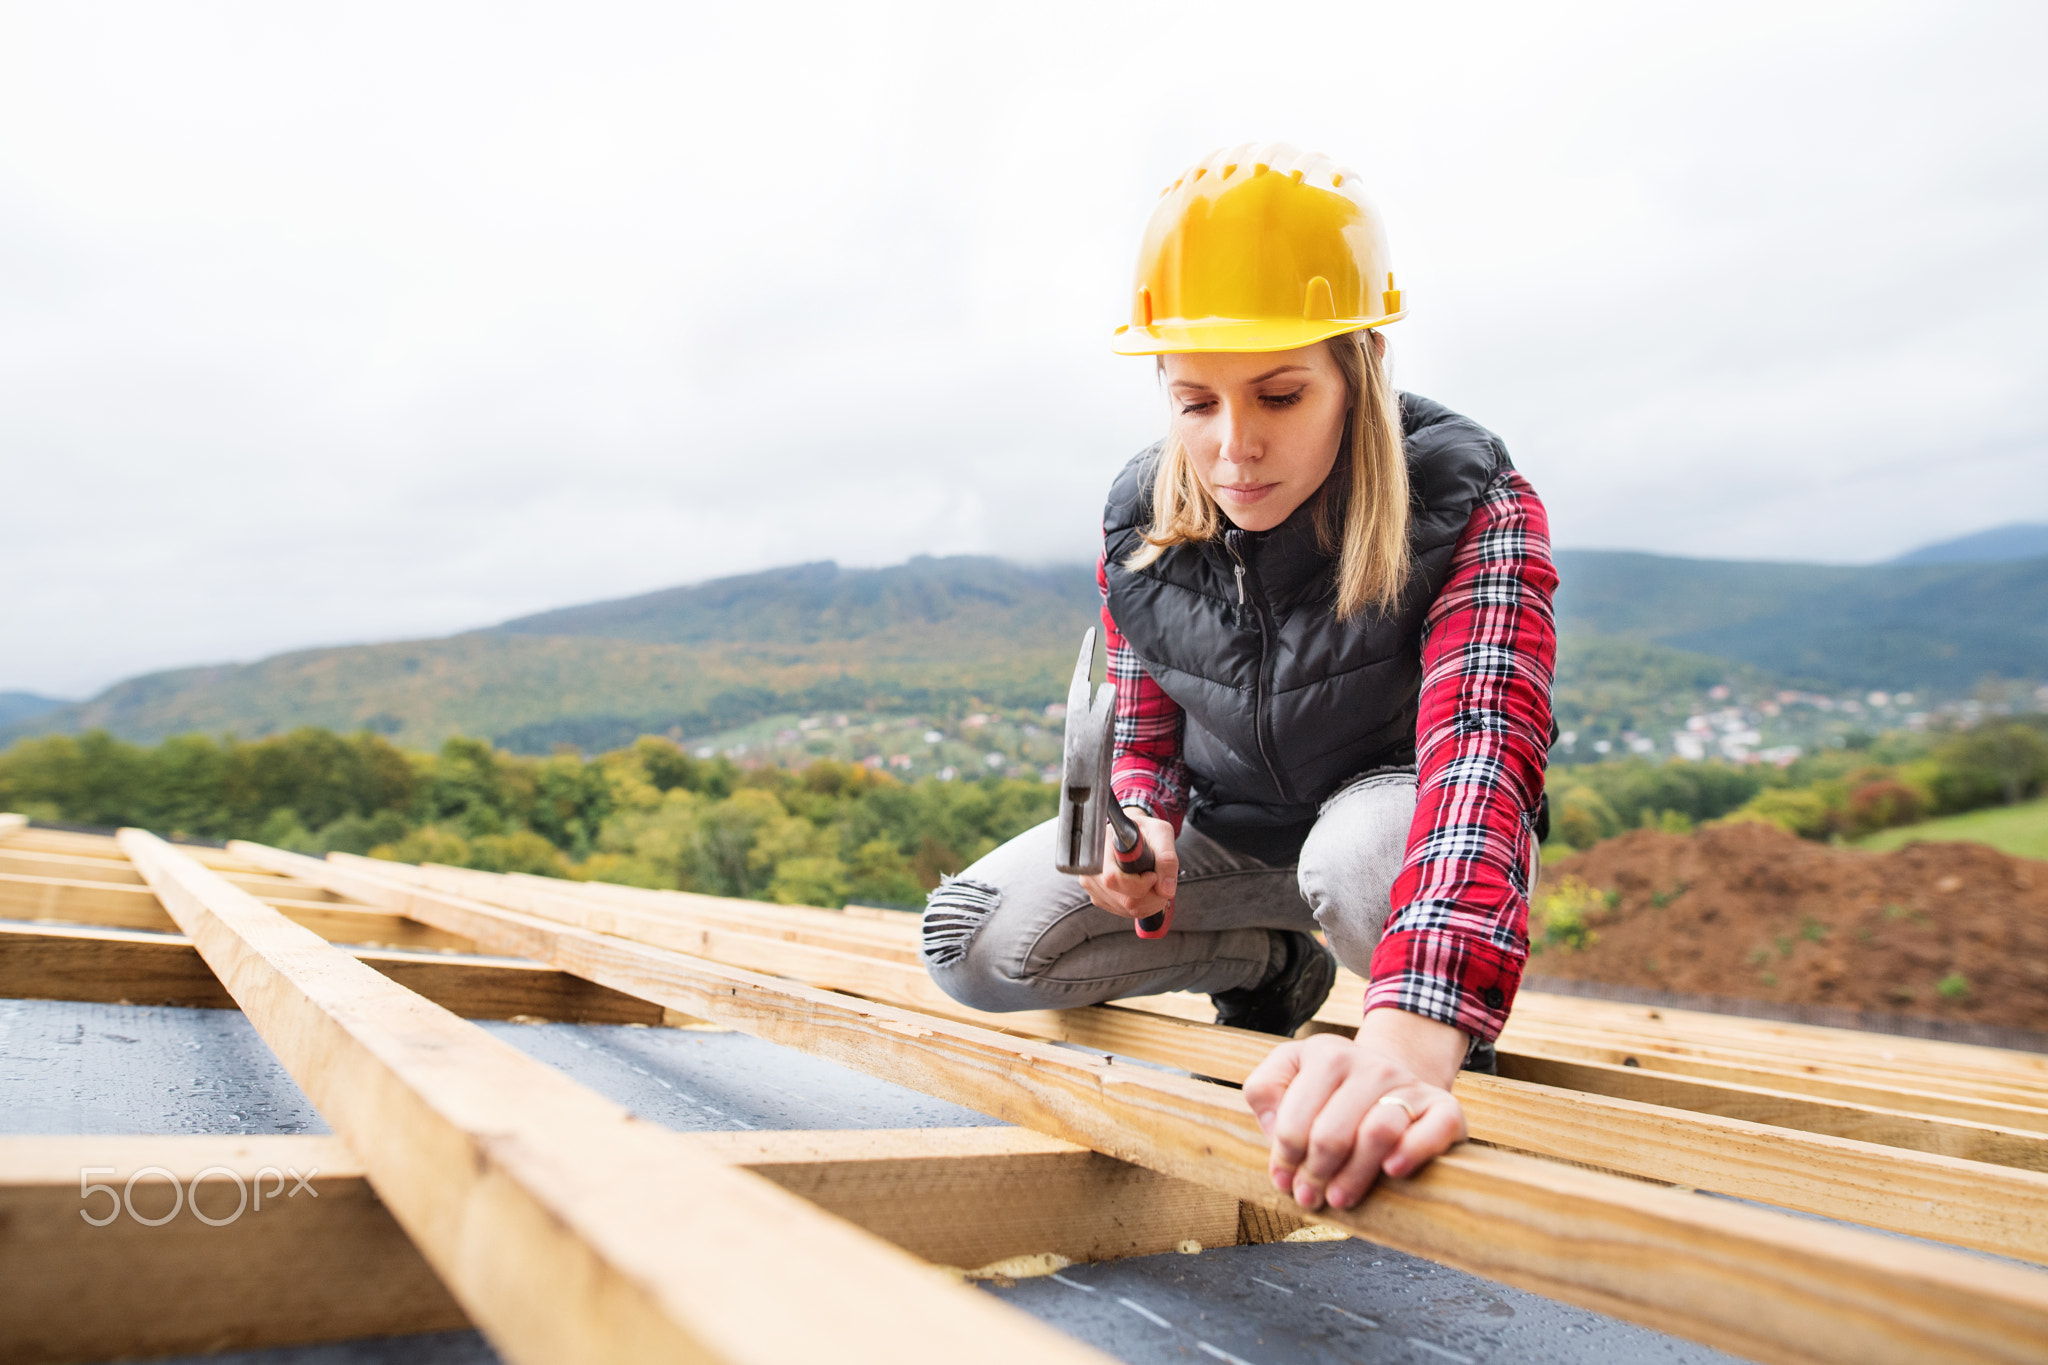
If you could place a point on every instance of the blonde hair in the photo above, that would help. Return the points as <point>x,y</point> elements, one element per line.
<point>1361,511</point>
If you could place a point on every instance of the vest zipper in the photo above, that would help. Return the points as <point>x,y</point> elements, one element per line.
<point>1233,540</point>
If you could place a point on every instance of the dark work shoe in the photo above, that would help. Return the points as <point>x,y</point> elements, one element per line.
<point>1287,999</point>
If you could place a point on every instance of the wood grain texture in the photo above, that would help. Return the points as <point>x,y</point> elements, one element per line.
<point>1866,1056</point>
<point>11,825</point>
<point>567,1229</point>
<point>969,1197</point>
<point>1205,1048</point>
<point>129,906</point>
<point>2021,1149</point>
<point>1809,1039</point>
<point>1946,1199</point>
<point>1762,1284</point>
<point>323,1263</point>
<point>2000,1210</point>
<point>27,863</point>
<point>128,967</point>
<point>1918,1095</point>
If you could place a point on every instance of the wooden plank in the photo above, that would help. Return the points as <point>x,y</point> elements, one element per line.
<point>103,846</point>
<point>1642,1146</point>
<point>1226,1053</point>
<point>1208,1052</point>
<point>1946,1199</point>
<point>1751,1281</point>
<point>969,1197</point>
<point>277,888</point>
<point>319,1263</point>
<point>1808,1038</point>
<point>1873,1060</point>
<point>127,967</point>
<point>66,865</point>
<point>11,824</point>
<point>792,923</point>
<point>567,1229</point>
<point>324,1261</point>
<point>2021,1107</point>
<point>2018,1148</point>
<point>122,906</point>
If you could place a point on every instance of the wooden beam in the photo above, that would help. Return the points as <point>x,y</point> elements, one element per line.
<point>566,1228</point>
<point>323,1260</point>
<point>68,865</point>
<point>1212,1052</point>
<point>1868,1055</point>
<point>1918,1095</point>
<point>319,1263</point>
<point>103,846</point>
<point>12,824</point>
<point>1945,1199</point>
<point>1640,1110</point>
<point>126,967</point>
<point>792,923</point>
<point>118,905</point>
<point>969,1197</point>
<point>1807,1039</point>
<point>1744,1279</point>
<point>1226,1053</point>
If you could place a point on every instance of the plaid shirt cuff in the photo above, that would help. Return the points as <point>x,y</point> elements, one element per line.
<point>1445,977</point>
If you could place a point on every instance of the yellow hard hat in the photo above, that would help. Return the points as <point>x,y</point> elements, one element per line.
<point>1259,248</point>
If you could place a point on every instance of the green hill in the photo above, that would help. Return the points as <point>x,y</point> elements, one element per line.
<point>1645,637</point>
<point>940,603</point>
<point>1937,628</point>
<point>933,634</point>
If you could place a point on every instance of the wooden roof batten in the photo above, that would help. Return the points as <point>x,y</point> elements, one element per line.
<point>850,989</point>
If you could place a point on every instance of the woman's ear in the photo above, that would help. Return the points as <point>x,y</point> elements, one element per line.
<point>1379,344</point>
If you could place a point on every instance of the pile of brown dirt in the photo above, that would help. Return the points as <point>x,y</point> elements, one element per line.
<point>1941,931</point>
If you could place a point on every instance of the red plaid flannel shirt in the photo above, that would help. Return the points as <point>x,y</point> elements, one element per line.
<point>1458,936</point>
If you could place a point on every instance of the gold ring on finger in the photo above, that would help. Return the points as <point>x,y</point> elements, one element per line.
<point>1399,1103</point>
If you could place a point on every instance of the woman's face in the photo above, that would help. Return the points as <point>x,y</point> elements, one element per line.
<point>1261,428</point>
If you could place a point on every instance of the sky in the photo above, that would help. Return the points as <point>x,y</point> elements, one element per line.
<point>325,324</point>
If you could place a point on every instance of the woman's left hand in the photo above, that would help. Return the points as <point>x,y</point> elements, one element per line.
<point>1340,1111</point>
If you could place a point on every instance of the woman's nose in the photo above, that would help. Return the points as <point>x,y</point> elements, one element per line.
<point>1240,438</point>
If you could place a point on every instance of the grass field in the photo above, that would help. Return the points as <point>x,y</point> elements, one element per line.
<point>2020,830</point>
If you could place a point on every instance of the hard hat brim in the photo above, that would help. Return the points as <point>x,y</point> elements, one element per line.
<point>1238,335</point>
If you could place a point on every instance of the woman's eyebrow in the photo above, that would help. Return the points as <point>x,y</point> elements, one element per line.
<point>1262,378</point>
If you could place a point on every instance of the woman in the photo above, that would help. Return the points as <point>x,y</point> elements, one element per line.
<point>1328,615</point>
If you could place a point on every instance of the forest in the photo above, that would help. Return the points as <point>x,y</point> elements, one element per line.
<point>647,814</point>
<point>830,832</point>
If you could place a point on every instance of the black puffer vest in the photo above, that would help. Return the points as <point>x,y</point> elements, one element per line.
<point>1284,703</point>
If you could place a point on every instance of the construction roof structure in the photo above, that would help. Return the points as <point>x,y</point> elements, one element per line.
<point>1655,1166</point>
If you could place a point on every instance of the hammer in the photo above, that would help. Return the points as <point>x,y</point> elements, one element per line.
<point>1086,802</point>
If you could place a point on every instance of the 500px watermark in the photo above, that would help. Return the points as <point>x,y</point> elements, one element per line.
<point>123,1199</point>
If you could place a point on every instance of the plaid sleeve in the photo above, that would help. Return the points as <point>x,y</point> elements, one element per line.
<point>1146,771</point>
<point>1458,935</point>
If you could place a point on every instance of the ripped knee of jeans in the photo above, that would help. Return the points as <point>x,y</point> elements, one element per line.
<point>952,916</point>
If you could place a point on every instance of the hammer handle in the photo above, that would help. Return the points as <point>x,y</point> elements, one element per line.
<point>1134,856</point>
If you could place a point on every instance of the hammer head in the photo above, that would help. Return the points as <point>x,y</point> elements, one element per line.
<point>1084,775</point>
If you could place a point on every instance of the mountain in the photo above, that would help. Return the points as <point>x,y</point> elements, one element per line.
<point>20,706</point>
<point>929,634</point>
<point>950,634</point>
<point>2000,544</point>
<point>963,597</point>
<point>1933,627</point>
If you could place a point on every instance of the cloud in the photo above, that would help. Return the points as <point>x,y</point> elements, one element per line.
<point>325,326</point>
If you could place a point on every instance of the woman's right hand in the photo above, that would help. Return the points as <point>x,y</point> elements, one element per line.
<point>1146,893</point>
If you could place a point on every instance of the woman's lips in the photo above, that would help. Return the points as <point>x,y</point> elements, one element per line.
<point>1243,494</point>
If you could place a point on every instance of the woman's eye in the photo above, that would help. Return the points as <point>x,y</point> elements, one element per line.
<point>1283,400</point>
<point>1196,407</point>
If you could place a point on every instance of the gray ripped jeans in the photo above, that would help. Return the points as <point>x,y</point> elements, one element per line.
<point>1010,933</point>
